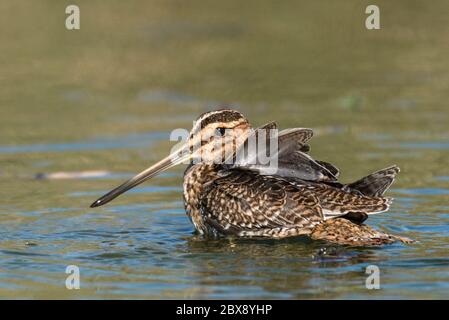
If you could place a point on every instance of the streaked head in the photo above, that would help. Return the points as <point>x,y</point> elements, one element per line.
<point>215,136</point>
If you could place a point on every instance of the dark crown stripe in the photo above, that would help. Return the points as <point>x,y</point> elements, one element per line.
<point>221,116</point>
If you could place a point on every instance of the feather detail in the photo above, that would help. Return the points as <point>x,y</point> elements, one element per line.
<point>343,231</point>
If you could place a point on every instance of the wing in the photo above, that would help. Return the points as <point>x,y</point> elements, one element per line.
<point>329,166</point>
<point>336,202</point>
<point>294,160</point>
<point>300,165</point>
<point>288,160</point>
<point>295,138</point>
<point>247,204</point>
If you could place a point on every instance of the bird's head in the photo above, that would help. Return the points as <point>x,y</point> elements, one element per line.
<point>214,138</point>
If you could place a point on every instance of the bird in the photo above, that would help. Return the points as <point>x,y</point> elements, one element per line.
<point>229,192</point>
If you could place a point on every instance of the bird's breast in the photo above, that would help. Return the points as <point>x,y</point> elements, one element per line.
<point>196,179</point>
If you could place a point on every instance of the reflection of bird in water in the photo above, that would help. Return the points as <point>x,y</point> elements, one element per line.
<point>245,198</point>
<point>288,268</point>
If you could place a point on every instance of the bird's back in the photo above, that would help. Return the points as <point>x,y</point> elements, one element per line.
<point>245,204</point>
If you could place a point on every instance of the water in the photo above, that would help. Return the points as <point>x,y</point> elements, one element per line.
<point>105,98</point>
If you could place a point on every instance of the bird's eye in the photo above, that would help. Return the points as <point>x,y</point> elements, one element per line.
<point>220,131</point>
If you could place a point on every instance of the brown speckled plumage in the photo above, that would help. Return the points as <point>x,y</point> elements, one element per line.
<point>301,198</point>
<point>245,204</point>
<point>343,231</point>
<point>236,201</point>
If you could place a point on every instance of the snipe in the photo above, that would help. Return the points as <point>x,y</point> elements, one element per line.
<point>246,199</point>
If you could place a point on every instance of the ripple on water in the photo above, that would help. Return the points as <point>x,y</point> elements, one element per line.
<point>148,250</point>
<point>422,191</point>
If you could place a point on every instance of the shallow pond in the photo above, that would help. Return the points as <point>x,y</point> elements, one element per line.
<point>103,100</point>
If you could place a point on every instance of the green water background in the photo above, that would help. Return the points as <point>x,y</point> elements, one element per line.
<point>107,96</point>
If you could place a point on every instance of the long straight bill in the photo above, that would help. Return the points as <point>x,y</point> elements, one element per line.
<point>166,163</point>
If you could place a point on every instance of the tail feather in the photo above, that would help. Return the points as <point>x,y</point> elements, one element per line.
<point>345,212</point>
<point>375,184</point>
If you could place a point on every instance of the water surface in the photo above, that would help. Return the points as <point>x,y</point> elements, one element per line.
<point>105,98</point>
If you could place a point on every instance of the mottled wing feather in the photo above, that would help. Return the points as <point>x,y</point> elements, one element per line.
<point>293,149</point>
<point>269,126</point>
<point>305,148</point>
<point>299,136</point>
<point>337,202</point>
<point>329,166</point>
<point>248,204</point>
<point>290,160</point>
<point>297,164</point>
